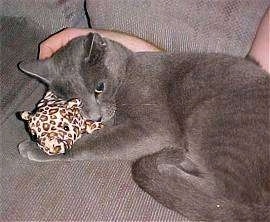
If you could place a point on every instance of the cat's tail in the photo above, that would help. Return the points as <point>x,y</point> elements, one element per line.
<point>185,197</point>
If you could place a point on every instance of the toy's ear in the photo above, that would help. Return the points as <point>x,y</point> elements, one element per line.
<point>74,102</point>
<point>25,115</point>
<point>37,69</point>
<point>49,95</point>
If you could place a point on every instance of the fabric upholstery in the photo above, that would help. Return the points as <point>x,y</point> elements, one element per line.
<point>47,15</point>
<point>183,25</point>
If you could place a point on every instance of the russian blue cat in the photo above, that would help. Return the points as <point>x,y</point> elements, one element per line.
<point>196,125</point>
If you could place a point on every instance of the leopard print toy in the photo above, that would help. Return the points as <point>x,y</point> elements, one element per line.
<point>57,124</point>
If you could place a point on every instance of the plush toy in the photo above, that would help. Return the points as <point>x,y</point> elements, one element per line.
<point>56,124</point>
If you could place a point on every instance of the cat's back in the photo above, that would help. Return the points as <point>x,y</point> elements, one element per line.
<point>222,105</point>
<point>190,78</point>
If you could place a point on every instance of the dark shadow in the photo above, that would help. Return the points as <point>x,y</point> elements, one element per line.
<point>87,15</point>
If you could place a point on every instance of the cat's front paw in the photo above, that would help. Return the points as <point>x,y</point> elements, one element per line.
<point>24,147</point>
<point>31,151</point>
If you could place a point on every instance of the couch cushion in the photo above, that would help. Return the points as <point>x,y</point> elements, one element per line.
<point>47,15</point>
<point>184,25</point>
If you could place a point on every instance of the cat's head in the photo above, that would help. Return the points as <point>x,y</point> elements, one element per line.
<point>90,68</point>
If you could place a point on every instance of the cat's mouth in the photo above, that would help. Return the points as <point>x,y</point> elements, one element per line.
<point>111,121</point>
<point>108,120</point>
<point>109,116</point>
<point>100,119</point>
<point>104,114</point>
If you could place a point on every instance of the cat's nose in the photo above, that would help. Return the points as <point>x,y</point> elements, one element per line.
<point>96,118</point>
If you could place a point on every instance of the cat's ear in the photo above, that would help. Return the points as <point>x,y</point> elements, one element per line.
<point>37,69</point>
<point>96,46</point>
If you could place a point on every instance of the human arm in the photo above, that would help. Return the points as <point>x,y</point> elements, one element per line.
<point>60,39</point>
<point>260,50</point>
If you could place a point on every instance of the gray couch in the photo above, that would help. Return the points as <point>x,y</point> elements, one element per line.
<point>98,191</point>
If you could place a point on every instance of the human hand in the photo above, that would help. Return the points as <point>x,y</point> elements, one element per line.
<point>260,49</point>
<point>60,39</point>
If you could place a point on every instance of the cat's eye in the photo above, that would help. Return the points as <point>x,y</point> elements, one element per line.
<point>99,87</point>
<point>66,128</point>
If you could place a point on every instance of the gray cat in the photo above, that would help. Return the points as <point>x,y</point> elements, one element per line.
<point>196,125</point>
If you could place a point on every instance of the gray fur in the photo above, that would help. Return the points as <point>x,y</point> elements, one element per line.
<point>196,125</point>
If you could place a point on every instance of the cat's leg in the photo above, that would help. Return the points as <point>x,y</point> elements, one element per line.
<point>179,184</point>
<point>167,178</point>
<point>125,141</point>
